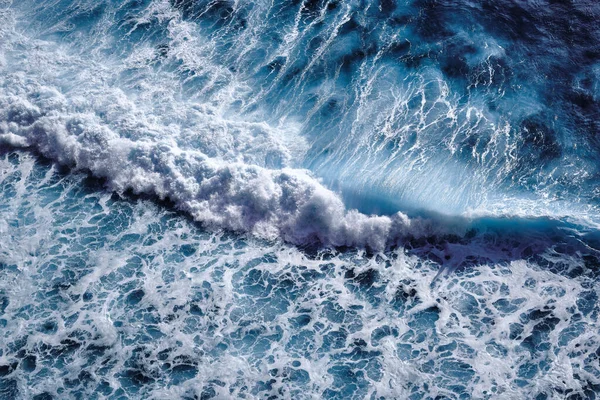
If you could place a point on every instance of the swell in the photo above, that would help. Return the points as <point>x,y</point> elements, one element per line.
<point>286,203</point>
<point>149,95</point>
<point>207,163</point>
<point>290,204</point>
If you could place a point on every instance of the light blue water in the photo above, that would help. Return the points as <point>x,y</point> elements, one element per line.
<point>316,199</point>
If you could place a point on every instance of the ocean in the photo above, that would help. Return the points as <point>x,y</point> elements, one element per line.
<point>319,199</point>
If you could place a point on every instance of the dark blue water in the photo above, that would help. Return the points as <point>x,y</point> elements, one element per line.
<point>319,199</point>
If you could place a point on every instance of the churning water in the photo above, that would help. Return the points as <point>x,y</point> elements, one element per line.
<point>299,199</point>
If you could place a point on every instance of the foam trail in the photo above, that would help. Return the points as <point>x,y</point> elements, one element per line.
<point>283,203</point>
<point>100,128</point>
<point>146,102</point>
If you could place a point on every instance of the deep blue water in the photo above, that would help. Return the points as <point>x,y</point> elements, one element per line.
<point>318,199</point>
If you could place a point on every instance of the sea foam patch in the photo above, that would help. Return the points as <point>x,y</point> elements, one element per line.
<point>108,297</point>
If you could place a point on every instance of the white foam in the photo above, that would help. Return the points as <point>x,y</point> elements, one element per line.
<point>80,113</point>
<point>240,286</point>
<point>163,121</point>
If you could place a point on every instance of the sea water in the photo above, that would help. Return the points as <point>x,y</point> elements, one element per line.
<point>318,199</point>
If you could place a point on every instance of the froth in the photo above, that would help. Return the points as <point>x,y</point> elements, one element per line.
<point>225,173</point>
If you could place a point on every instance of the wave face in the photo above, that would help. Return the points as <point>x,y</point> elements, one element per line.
<point>280,119</point>
<point>385,198</point>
